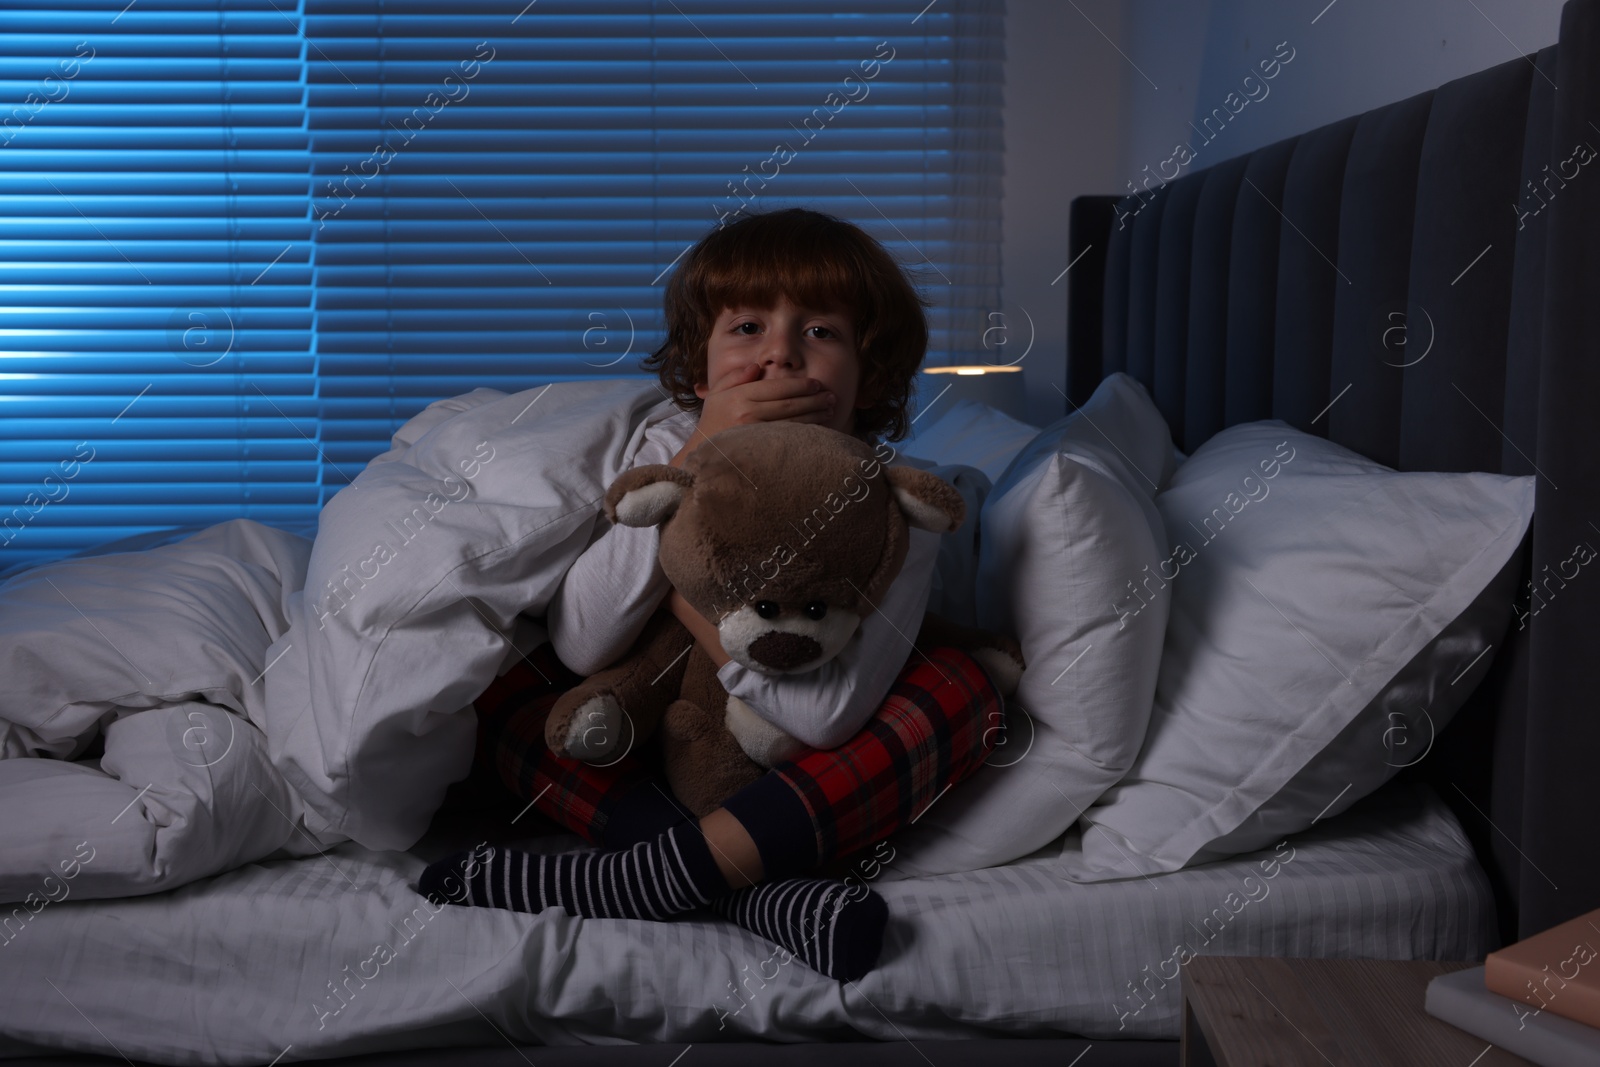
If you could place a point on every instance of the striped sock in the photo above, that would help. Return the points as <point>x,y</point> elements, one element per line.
<point>652,880</point>
<point>816,919</point>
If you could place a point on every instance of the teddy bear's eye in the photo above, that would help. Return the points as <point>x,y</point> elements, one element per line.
<point>767,609</point>
<point>816,609</point>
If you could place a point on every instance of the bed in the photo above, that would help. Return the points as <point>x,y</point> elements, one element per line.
<point>1261,288</point>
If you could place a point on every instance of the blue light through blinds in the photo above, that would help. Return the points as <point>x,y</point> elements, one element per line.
<point>281,232</point>
<point>154,248</point>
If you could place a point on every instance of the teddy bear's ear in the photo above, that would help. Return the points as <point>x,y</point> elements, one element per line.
<point>928,502</point>
<point>647,495</point>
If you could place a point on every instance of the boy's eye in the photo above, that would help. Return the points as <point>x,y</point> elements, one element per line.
<point>824,333</point>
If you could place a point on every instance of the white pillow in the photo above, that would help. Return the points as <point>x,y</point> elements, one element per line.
<point>1305,580</point>
<point>1397,729</point>
<point>970,433</point>
<point>1063,536</point>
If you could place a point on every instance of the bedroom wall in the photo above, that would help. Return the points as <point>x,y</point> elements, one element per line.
<point>1099,92</point>
<point>1347,57</point>
<point>1064,116</point>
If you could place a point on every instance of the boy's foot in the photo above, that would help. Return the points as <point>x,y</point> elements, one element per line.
<point>821,920</point>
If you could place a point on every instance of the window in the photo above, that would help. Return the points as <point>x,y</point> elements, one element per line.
<point>245,243</point>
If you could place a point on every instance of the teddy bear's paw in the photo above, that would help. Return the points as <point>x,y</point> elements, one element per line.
<point>1004,669</point>
<point>599,727</point>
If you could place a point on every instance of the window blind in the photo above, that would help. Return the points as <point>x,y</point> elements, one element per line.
<point>154,247</point>
<point>278,232</point>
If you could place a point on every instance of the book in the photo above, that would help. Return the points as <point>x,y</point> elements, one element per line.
<point>1557,970</point>
<point>1460,999</point>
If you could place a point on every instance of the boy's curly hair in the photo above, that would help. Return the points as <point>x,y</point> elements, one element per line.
<point>818,261</point>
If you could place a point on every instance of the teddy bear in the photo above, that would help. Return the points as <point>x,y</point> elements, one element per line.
<point>786,534</point>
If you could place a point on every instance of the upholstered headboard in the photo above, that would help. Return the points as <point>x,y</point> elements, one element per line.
<point>1420,283</point>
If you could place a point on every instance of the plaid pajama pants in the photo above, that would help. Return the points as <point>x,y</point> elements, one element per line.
<point>940,722</point>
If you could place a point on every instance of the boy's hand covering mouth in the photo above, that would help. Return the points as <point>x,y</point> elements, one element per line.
<point>743,396</point>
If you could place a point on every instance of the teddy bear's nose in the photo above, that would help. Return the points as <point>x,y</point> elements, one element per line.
<point>782,650</point>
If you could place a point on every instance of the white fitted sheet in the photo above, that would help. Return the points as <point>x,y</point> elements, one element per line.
<point>237,967</point>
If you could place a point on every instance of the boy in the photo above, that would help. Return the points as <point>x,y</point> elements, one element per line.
<point>789,315</point>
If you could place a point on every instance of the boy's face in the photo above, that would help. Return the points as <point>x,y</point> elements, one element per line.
<point>789,342</point>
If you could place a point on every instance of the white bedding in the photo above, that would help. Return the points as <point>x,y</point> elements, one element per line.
<point>239,967</point>
<point>260,694</point>
<point>197,893</point>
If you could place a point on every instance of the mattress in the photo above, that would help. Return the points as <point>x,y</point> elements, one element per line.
<point>336,954</point>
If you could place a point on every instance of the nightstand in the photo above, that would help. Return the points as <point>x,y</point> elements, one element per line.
<point>1252,1011</point>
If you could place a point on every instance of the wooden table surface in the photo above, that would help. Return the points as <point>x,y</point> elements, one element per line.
<point>1259,1011</point>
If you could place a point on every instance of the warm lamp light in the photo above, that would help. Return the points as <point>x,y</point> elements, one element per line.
<point>967,369</point>
<point>999,387</point>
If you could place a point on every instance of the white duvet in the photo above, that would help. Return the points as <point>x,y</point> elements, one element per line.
<point>264,695</point>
